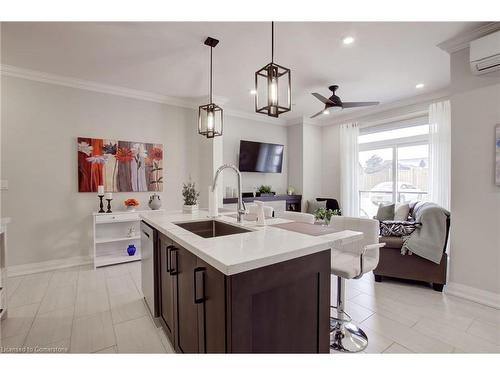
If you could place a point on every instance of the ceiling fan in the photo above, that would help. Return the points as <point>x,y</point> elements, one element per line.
<point>335,102</point>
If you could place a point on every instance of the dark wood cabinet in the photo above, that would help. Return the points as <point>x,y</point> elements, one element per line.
<point>211,300</point>
<point>187,309</point>
<point>281,308</point>
<point>167,287</point>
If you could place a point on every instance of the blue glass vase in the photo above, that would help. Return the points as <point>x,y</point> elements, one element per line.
<point>131,250</point>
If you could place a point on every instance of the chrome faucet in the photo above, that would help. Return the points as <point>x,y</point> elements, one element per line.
<point>241,205</point>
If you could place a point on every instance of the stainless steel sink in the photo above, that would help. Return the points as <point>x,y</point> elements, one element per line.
<point>211,228</point>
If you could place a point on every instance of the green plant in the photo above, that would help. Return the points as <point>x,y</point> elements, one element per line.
<point>264,189</point>
<point>190,194</point>
<point>326,214</point>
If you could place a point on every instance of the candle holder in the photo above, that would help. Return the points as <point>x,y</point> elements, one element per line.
<point>109,206</point>
<point>101,206</point>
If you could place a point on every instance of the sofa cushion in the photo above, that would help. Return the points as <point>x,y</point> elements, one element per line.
<point>385,212</point>
<point>401,212</point>
<point>392,242</point>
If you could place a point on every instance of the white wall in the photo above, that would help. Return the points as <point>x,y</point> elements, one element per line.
<point>295,157</point>
<point>305,160</point>
<point>475,200</point>
<point>312,163</point>
<point>236,129</point>
<point>331,162</point>
<point>40,124</point>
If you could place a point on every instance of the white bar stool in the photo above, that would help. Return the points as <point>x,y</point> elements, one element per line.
<point>352,261</point>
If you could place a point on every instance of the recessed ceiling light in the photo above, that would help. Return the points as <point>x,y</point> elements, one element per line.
<point>253,92</point>
<point>326,112</point>
<point>348,40</point>
<point>419,86</point>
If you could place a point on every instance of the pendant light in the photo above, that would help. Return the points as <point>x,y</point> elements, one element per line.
<point>276,79</point>
<point>210,116</point>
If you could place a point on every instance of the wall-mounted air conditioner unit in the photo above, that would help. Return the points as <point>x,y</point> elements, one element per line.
<point>485,54</point>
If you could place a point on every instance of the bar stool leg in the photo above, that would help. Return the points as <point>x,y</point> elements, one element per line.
<point>345,336</point>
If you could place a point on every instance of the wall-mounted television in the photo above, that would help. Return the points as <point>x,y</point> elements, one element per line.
<point>260,157</point>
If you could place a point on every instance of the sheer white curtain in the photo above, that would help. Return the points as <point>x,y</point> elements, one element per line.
<point>349,150</point>
<point>440,153</point>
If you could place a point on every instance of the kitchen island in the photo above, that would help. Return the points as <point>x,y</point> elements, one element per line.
<point>222,287</point>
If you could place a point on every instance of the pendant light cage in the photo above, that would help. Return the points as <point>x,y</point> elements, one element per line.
<point>273,93</point>
<point>210,116</point>
<point>210,120</point>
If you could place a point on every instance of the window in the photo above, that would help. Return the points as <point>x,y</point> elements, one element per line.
<point>393,165</point>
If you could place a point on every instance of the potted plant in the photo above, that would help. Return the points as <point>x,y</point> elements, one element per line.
<point>131,204</point>
<point>325,215</point>
<point>264,191</point>
<point>190,195</point>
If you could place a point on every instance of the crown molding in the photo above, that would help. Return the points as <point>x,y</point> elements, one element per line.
<point>462,41</point>
<point>34,75</point>
<point>54,79</point>
<point>414,100</point>
<point>256,117</point>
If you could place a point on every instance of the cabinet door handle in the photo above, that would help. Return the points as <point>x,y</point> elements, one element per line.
<point>146,233</point>
<point>199,271</point>
<point>168,248</point>
<point>173,271</point>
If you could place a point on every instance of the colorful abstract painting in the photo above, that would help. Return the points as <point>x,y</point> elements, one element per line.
<point>497,154</point>
<point>119,165</point>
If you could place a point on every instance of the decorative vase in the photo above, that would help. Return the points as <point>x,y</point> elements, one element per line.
<point>154,202</point>
<point>131,250</point>
<point>190,208</point>
<point>322,221</point>
<point>130,208</point>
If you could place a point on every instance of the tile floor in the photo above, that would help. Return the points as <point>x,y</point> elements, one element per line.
<point>401,317</point>
<point>82,310</point>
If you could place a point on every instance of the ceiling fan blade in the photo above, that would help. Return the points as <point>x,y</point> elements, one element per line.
<point>317,114</point>
<point>358,104</point>
<point>322,99</point>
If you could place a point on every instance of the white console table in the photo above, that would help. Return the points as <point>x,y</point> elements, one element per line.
<point>112,237</point>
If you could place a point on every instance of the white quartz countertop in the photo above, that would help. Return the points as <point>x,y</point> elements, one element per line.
<point>236,253</point>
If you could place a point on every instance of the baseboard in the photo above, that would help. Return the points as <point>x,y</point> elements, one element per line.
<point>50,265</point>
<point>473,294</point>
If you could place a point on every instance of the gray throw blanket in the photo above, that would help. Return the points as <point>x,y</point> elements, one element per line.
<point>428,240</point>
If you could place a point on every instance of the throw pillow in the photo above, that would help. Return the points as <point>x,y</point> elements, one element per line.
<point>412,205</point>
<point>401,212</point>
<point>313,205</point>
<point>385,212</point>
<point>392,228</point>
